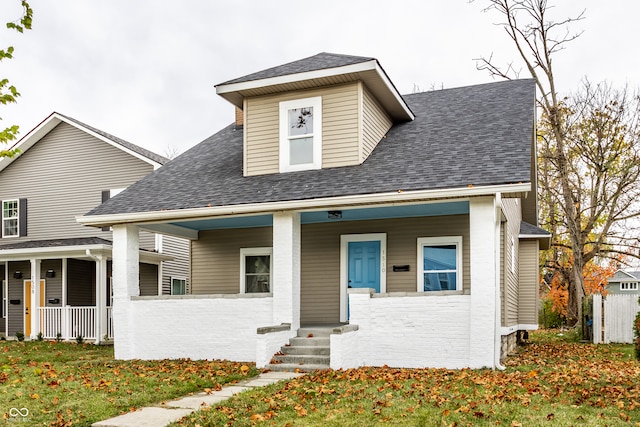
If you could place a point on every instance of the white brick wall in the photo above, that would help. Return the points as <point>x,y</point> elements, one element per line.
<point>269,344</point>
<point>410,331</point>
<point>196,327</point>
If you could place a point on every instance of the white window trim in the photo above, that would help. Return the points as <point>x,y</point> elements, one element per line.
<point>17,218</point>
<point>285,106</point>
<point>631,286</point>
<point>172,278</point>
<point>439,241</point>
<point>257,252</point>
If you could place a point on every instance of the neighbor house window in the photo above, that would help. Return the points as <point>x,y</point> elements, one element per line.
<point>10,209</point>
<point>178,286</point>
<point>439,263</point>
<point>629,286</point>
<point>301,134</point>
<point>255,270</point>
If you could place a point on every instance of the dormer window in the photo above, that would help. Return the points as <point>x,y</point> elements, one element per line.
<point>301,134</point>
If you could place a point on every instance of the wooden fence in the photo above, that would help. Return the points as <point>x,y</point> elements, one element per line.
<point>613,318</point>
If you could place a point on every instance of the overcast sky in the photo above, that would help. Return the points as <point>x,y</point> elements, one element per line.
<point>145,70</point>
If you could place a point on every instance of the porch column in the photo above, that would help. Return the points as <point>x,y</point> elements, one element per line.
<point>286,268</point>
<point>485,281</point>
<point>126,269</point>
<point>101,298</point>
<point>35,298</point>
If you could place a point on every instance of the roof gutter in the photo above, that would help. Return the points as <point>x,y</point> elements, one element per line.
<point>289,205</point>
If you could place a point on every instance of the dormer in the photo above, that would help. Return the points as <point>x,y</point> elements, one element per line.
<point>324,111</point>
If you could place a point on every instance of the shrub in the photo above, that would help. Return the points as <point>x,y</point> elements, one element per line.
<point>40,337</point>
<point>79,339</point>
<point>20,336</point>
<point>58,337</point>
<point>549,318</point>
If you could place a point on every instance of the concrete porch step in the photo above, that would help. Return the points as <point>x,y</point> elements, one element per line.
<point>295,367</point>
<point>315,331</point>
<point>302,359</point>
<point>309,342</point>
<point>315,350</point>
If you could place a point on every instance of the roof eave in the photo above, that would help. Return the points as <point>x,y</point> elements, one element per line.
<point>300,205</point>
<point>75,251</point>
<point>232,92</point>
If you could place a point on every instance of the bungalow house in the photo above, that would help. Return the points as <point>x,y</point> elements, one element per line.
<point>55,273</point>
<point>402,228</point>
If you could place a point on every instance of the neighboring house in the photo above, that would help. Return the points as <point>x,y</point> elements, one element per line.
<point>406,225</point>
<point>65,169</point>
<point>624,282</point>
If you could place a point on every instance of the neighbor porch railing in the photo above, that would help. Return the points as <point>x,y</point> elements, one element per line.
<point>71,322</point>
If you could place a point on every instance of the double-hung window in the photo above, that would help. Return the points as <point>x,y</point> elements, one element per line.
<point>628,286</point>
<point>255,270</point>
<point>439,263</point>
<point>301,134</point>
<point>10,217</point>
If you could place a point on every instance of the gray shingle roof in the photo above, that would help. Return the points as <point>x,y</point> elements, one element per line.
<point>531,230</point>
<point>136,149</point>
<point>320,61</point>
<point>476,135</point>
<point>56,243</point>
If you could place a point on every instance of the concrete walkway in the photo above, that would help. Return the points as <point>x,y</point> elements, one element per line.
<point>168,412</point>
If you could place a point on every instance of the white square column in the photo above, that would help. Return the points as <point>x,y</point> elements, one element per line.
<point>35,298</point>
<point>286,268</point>
<point>484,253</point>
<point>101,298</point>
<point>126,283</point>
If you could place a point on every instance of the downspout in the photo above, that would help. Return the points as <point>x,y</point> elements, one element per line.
<point>498,311</point>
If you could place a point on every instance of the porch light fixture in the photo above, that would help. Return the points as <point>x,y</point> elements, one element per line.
<point>334,214</point>
<point>50,273</point>
<point>17,275</point>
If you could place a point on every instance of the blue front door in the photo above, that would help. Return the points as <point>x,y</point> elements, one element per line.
<point>364,265</point>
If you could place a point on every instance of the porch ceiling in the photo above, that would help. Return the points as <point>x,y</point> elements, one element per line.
<point>357,214</point>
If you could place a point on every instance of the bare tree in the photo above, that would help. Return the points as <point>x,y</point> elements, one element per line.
<point>587,146</point>
<point>171,152</point>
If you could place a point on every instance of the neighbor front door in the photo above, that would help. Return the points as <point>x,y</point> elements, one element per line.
<point>28,304</point>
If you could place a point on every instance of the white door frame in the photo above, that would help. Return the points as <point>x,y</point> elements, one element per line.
<point>344,264</point>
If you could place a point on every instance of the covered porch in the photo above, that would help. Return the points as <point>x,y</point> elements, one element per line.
<point>61,289</point>
<point>308,282</point>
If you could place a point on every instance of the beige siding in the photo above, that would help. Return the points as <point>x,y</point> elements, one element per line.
<point>529,281</point>
<point>511,210</point>
<point>62,176</point>
<point>148,279</point>
<point>375,124</point>
<point>503,272</point>
<point>340,116</point>
<point>320,275</point>
<point>215,258</point>
<point>179,267</point>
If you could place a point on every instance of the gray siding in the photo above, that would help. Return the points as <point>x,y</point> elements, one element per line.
<point>53,287</point>
<point>179,267</point>
<point>62,176</point>
<point>2,299</point>
<point>81,283</point>
<point>148,279</point>
<point>16,292</point>
<point>529,282</point>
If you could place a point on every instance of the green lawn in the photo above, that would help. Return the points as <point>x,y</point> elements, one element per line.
<point>64,384</point>
<point>551,382</point>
